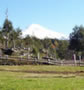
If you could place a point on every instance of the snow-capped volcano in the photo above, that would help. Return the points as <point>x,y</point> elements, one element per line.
<point>41,32</point>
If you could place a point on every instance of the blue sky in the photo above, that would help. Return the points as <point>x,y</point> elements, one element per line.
<point>58,15</point>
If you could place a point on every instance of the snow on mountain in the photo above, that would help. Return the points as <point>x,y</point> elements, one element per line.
<point>41,32</point>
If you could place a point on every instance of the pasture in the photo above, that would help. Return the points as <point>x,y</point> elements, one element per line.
<point>41,77</point>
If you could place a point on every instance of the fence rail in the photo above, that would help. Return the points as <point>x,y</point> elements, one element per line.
<point>19,60</point>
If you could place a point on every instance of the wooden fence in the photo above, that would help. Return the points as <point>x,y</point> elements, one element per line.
<point>19,61</point>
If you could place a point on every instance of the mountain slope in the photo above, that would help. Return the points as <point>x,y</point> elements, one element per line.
<point>41,32</point>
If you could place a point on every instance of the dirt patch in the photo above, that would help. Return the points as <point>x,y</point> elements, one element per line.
<point>45,72</point>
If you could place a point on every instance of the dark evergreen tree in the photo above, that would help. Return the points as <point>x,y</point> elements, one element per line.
<point>7,28</point>
<point>77,39</point>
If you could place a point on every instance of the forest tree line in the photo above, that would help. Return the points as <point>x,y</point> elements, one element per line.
<point>60,49</point>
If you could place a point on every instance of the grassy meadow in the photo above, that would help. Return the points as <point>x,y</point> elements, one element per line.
<point>41,77</point>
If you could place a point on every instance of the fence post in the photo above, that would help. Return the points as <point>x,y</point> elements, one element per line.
<point>75,59</point>
<point>61,63</point>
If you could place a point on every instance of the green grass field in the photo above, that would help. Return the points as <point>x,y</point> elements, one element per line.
<point>24,78</point>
